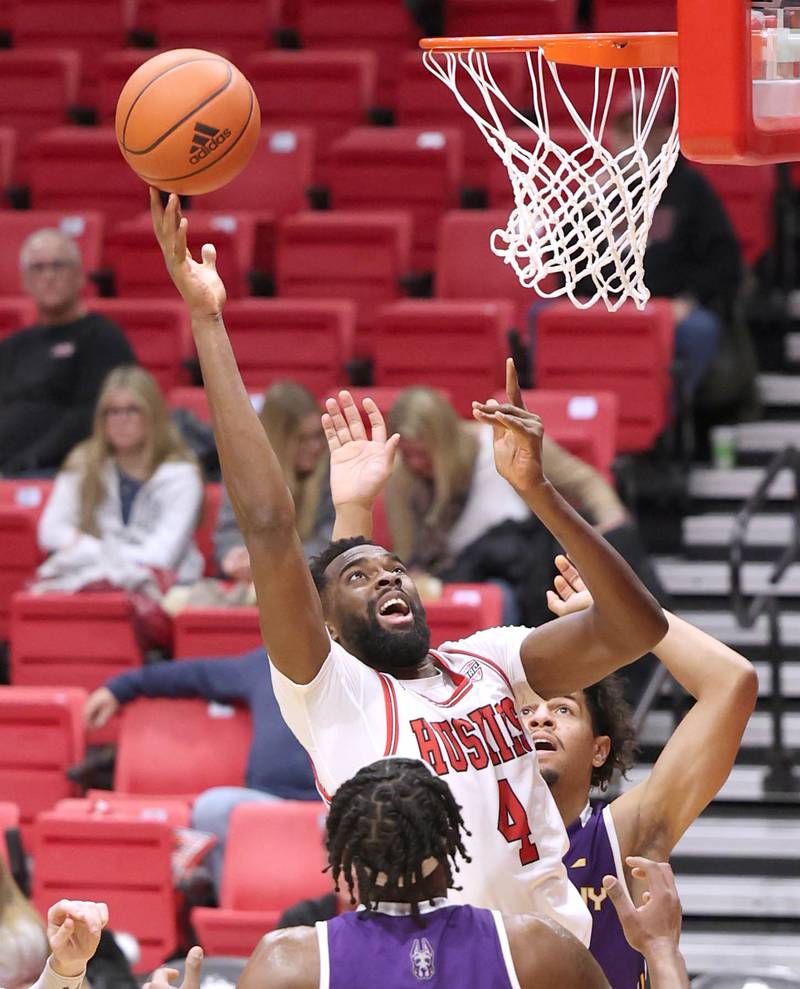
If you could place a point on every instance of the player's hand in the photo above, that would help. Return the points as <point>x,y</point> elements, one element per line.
<point>657,923</point>
<point>570,594</point>
<point>100,706</point>
<point>198,282</point>
<point>164,977</point>
<point>73,930</point>
<point>518,435</point>
<point>360,465</point>
<point>236,564</point>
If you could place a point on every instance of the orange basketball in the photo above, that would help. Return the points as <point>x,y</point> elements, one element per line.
<point>187,121</point>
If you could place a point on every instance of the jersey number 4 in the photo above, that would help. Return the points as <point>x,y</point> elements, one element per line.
<point>512,823</point>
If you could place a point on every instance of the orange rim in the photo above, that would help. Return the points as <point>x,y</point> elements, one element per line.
<point>605,51</point>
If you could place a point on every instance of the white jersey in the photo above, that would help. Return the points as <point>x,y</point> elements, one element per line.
<point>463,723</point>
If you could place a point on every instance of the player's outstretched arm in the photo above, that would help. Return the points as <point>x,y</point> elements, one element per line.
<point>289,606</point>
<point>287,959</point>
<point>361,464</point>
<point>624,620</point>
<point>651,818</point>
<point>654,928</point>
<point>546,955</point>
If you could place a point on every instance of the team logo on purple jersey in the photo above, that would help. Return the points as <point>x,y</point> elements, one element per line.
<point>422,959</point>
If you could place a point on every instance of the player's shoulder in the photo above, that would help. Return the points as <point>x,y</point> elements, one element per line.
<point>488,640</point>
<point>284,959</point>
<point>542,949</point>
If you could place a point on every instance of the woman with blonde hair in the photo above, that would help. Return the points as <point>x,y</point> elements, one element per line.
<point>23,940</point>
<point>291,417</point>
<point>125,506</point>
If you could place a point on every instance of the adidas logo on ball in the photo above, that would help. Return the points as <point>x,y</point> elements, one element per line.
<point>205,140</point>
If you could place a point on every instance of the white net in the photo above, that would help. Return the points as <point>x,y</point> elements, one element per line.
<point>582,216</point>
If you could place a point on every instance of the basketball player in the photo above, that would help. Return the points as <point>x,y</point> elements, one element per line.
<point>583,736</point>
<point>394,835</point>
<point>349,649</point>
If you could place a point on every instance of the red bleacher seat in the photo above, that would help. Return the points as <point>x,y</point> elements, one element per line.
<point>628,352</point>
<point>307,341</point>
<point>114,68</point>
<point>460,346</point>
<point>476,17</point>
<point>158,330</point>
<point>748,194</point>
<point>71,640</point>
<point>411,168</point>
<point>139,270</point>
<point>41,736</point>
<point>330,92</point>
<point>9,819</point>
<point>634,15</point>
<point>105,804</point>
<point>88,26</point>
<point>36,88</point>
<point>16,312</point>
<point>243,25</point>
<point>8,153</point>
<point>85,227</point>
<point>586,424</point>
<point>193,400</point>
<point>181,747</point>
<point>123,861</point>
<point>276,178</point>
<point>21,504</point>
<point>215,632</point>
<point>358,256</point>
<point>382,26</point>
<point>273,859</point>
<point>466,268</point>
<point>204,537</point>
<point>464,609</point>
<point>80,168</point>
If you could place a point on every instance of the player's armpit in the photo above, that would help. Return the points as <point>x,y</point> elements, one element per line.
<point>547,955</point>
<point>286,959</point>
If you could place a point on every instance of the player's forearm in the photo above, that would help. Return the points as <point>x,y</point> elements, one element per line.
<point>667,968</point>
<point>253,476</point>
<point>627,617</point>
<point>704,666</point>
<point>352,520</point>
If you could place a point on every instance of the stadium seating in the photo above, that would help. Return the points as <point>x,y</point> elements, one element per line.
<point>114,68</point>
<point>178,748</point>
<point>204,537</point>
<point>36,89</point>
<point>358,256</point>
<point>158,330</point>
<point>8,157</point>
<point>215,632</point>
<point>748,194</point>
<point>9,820</point>
<point>80,168</point>
<point>460,346</point>
<point>462,610</point>
<point>71,640</point>
<point>86,228</point>
<point>21,504</point>
<point>41,735</point>
<point>138,266</point>
<point>629,352</point>
<point>394,168</point>
<point>634,15</point>
<point>244,25</point>
<point>475,17</point>
<point>108,805</point>
<point>329,92</point>
<point>124,862</point>
<point>273,859</point>
<point>585,424</point>
<point>382,26</point>
<point>193,400</point>
<point>15,313</point>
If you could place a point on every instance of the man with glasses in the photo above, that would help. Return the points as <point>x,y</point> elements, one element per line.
<point>51,372</point>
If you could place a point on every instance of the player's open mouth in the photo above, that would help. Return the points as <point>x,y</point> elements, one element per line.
<point>542,744</point>
<point>394,609</point>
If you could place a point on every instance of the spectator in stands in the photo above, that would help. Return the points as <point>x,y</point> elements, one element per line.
<point>277,767</point>
<point>125,507</point>
<point>291,417</point>
<point>23,941</point>
<point>51,372</point>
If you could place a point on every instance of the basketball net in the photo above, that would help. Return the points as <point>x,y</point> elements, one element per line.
<point>582,215</point>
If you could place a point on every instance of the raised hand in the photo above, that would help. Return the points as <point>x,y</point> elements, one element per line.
<point>198,282</point>
<point>100,706</point>
<point>360,465</point>
<point>73,930</point>
<point>164,977</point>
<point>570,594</point>
<point>518,435</point>
<point>657,923</point>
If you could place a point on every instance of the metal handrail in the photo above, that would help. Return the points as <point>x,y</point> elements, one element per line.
<point>780,777</point>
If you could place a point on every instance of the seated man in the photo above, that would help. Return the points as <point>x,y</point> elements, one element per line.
<point>51,372</point>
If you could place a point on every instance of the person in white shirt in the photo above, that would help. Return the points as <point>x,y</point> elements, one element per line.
<point>349,650</point>
<point>128,499</point>
<point>73,933</point>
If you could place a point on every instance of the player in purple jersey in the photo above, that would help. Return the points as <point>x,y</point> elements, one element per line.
<point>581,738</point>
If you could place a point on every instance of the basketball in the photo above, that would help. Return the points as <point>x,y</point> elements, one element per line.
<point>187,121</point>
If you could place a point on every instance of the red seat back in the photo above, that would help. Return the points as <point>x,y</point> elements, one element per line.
<point>204,537</point>
<point>748,195</point>
<point>634,15</point>
<point>215,632</point>
<point>462,610</point>
<point>193,400</point>
<point>21,504</point>
<point>16,313</point>
<point>9,819</point>
<point>8,157</point>
<point>243,26</point>
<point>181,747</point>
<point>475,17</point>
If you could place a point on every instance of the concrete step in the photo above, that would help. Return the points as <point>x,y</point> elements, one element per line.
<point>737,484</point>
<point>737,837</point>
<point>739,896</point>
<point>739,951</point>
<point>779,389</point>
<point>744,785</point>
<point>766,437</point>
<point>698,578</point>
<point>724,626</point>
<point>715,529</point>
<point>658,727</point>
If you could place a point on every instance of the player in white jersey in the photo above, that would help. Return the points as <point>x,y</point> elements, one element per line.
<point>351,656</point>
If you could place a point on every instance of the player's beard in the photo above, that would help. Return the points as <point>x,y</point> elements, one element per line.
<point>383,649</point>
<point>550,776</point>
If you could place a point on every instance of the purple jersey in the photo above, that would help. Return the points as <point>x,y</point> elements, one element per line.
<point>594,853</point>
<point>458,946</point>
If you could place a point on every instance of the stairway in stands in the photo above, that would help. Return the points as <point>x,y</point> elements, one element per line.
<point>738,867</point>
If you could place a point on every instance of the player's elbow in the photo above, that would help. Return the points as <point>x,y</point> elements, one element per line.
<point>744,689</point>
<point>646,629</point>
<point>266,522</point>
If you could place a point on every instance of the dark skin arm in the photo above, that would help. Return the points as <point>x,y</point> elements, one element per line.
<point>624,621</point>
<point>289,607</point>
<point>546,955</point>
<point>287,959</point>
